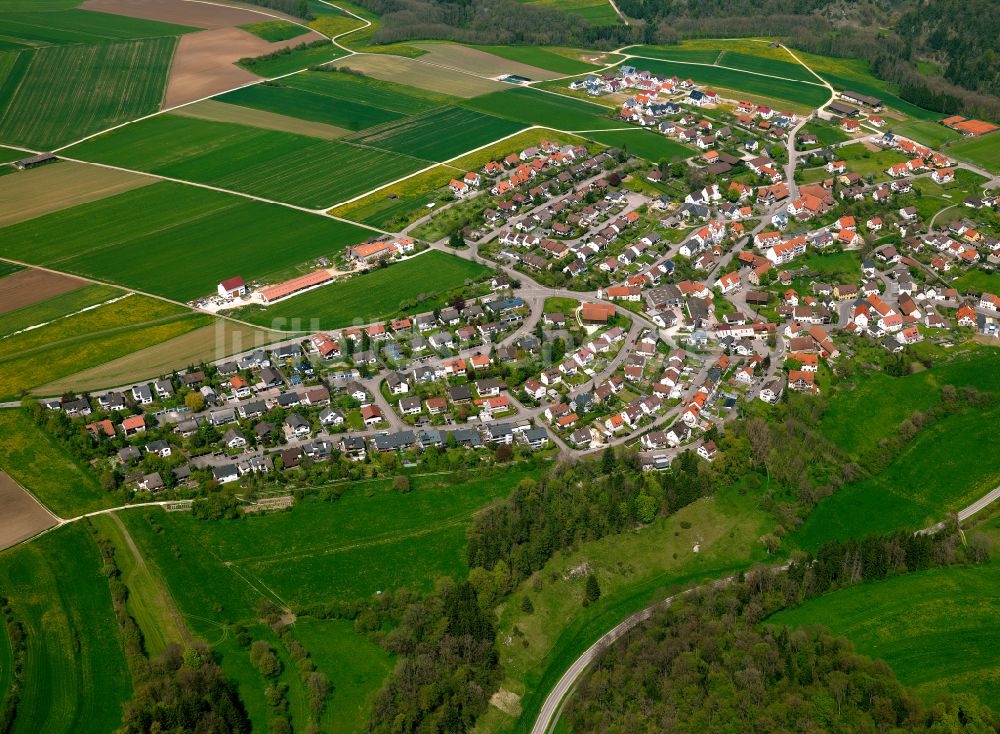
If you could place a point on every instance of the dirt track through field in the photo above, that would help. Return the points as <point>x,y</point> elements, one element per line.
<point>29,194</point>
<point>21,516</point>
<point>204,63</point>
<point>181,12</point>
<point>31,286</point>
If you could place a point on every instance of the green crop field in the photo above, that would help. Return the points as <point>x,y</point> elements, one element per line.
<point>66,346</point>
<point>540,57</point>
<point>825,133</point>
<point>110,82</point>
<point>984,151</point>
<point>862,412</point>
<point>293,60</point>
<point>268,163</point>
<point>273,31</point>
<point>836,266</point>
<point>811,95</point>
<point>546,109</point>
<point>281,99</point>
<point>76,677</point>
<point>37,463</point>
<point>75,26</point>
<point>56,307</point>
<point>438,135</point>
<point>978,281</point>
<point>153,253</point>
<point>7,155</point>
<point>374,296</point>
<point>936,629</point>
<point>645,144</point>
<point>932,134</point>
<point>369,91</point>
<point>668,53</point>
<point>939,472</point>
<point>7,268</point>
<point>763,65</point>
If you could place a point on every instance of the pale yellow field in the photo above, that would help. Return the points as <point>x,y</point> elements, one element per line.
<point>32,193</point>
<point>423,76</point>
<point>216,111</point>
<point>479,62</point>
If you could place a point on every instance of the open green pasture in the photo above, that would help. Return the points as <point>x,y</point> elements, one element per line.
<point>644,143</point>
<point>978,281</point>
<point>542,58</point>
<point>273,31</point>
<point>826,133</point>
<point>180,225</point>
<point>544,108</point>
<point>864,410</point>
<point>984,151</point>
<point>810,94</point>
<point>838,266</point>
<point>295,59</point>
<point>377,295</point>
<point>76,677</point>
<point>281,99</point>
<point>925,132</point>
<point>37,463</point>
<point>392,96</point>
<point>936,629</point>
<point>45,106</point>
<point>74,26</point>
<point>669,53</point>
<point>762,65</point>
<point>275,165</point>
<point>939,472</point>
<point>438,135</point>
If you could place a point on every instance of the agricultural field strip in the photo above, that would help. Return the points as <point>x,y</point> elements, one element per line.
<point>65,316</point>
<point>733,68</point>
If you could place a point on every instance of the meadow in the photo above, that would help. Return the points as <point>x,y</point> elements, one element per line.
<point>56,307</point>
<point>939,472</point>
<point>438,135</point>
<point>644,143</point>
<point>634,570</point>
<point>414,73</point>
<point>932,134</point>
<point>374,296</point>
<point>340,85</point>
<point>540,57</point>
<point>278,98</point>
<point>295,60</point>
<point>977,281</point>
<point>835,266</point>
<point>825,133</point>
<point>275,165</point>
<point>546,109</point>
<point>805,93</point>
<point>273,31</point>
<point>76,677</point>
<point>153,253</point>
<point>215,111</point>
<point>984,151</point>
<point>936,629</point>
<point>110,82</point>
<point>669,53</point>
<point>39,465</point>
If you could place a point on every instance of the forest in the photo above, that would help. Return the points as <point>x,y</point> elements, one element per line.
<point>707,664</point>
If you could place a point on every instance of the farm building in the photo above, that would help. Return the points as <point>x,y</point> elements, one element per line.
<point>295,285</point>
<point>232,287</point>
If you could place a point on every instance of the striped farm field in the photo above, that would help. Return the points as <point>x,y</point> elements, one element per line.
<point>281,99</point>
<point>275,165</point>
<point>180,225</point>
<point>644,143</point>
<point>339,85</point>
<point>561,63</point>
<point>73,26</point>
<point>110,83</point>
<point>533,107</point>
<point>438,135</point>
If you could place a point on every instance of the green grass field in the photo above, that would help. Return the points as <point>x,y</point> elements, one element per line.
<point>273,31</point>
<point>296,60</point>
<point>56,307</point>
<point>369,91</point>
<point>762,65</point>
<point>979,281</point>
<point>110,82</point>
<point>374,296</point>
<point>76,677</point>
<point>936,629</point>
<point>37,463</point>
<point>267,163</point>
<point>153,253</point>
<point>645,144</point>
<point>7,268</point>
<point>438,135</point>
<point>811,95</point>
<point>825,133</point>
<point>667,53</point>
<point>540,57</point>
<point>44,27</point>
<point>932,134</point>
<point>837,266</point>
<point>8,155</point>
<point>984,151</point>
<point>864,411</point>
<point>939,472</point>
<point>542,108</point>
<point>307,105</point>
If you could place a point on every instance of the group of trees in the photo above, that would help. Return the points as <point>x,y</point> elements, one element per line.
<point>17,639</point>
<point>705,664</point>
